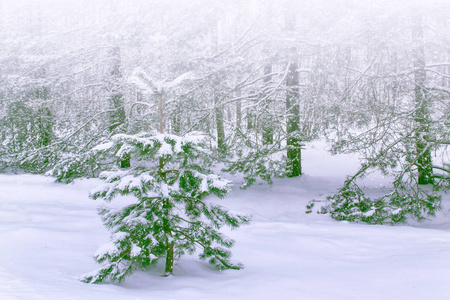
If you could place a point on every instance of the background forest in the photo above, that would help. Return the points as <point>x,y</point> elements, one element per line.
<point>260,78</point>
<point>315,108</point>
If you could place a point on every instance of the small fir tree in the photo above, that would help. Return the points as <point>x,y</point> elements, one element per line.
<point>169,179</point>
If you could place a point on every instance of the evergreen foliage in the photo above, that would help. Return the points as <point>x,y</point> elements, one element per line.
<point>350,203</point>
<point>169,179</point>
<point>71,166</point>
<point>262,83</point>
<point>390,148</point>
<point>263,162</point>
<point>27,130</point>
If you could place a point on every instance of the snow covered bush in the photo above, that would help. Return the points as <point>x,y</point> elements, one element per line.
<point>350,203</point>
<point>168,179</point>
<point>399,160</point>
<point>79,165</point>
<point>260,162</point>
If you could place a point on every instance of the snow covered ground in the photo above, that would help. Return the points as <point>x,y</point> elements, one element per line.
<point>49,232</point>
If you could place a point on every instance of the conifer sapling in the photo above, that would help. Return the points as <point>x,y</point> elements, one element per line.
<point>168,216</point>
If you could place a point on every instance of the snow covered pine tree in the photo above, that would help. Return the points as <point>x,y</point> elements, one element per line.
<point>169,179</point>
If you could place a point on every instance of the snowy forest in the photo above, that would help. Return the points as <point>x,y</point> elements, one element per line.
<point>192,118</point>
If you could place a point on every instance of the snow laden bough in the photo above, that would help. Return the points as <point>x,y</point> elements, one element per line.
<point>169,179</point>
<point>400,160</point>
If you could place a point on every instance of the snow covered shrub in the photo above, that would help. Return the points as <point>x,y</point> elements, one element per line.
<point>168,179</point>
<point>256,161</point>
<point>261,162</point>
<point>405,199</point>
<point>72,166</point>
<point>350,203</point>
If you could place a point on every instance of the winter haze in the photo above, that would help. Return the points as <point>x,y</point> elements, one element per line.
<point>224,149</point>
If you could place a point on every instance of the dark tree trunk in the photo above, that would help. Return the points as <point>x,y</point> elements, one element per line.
<point>422,114</point>
<point>117,111</point>
<point>176,124</point>
<point>161,112</point>
<point>166,226</point>
<point>169,259</point>
<point>267,122</point>
<point>45,126</point>
<point>116,101</point>
<point>238,111</point>
<point>218,106</point>
<point>221,145</point>
<point>448,67</point>
<point>395,84</point>
<point>250,117</point>
<point>167,231</point>
<point>294,167</point>
<point>44,120</point>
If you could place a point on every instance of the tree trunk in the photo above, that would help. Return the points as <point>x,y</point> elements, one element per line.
<point>221,145</point>
<point>116,102</point>
<point>395,84</point>
<point>45,124</point>
<point>167,231</point>
<point>267,122</point>
<point>218,107</point>
<point>161,112</point>
<point>238,111</point>
<point>166,224</point>
<point>176,124</point>
<point>169,260</point>
<point>422,114</point>
<point>176,120</point>
<point>250,118</point>
<point>293,167</point>
<point>44,117</point>
<point>448,67</point>
<point>166,202</point>
<point>117,111</point>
